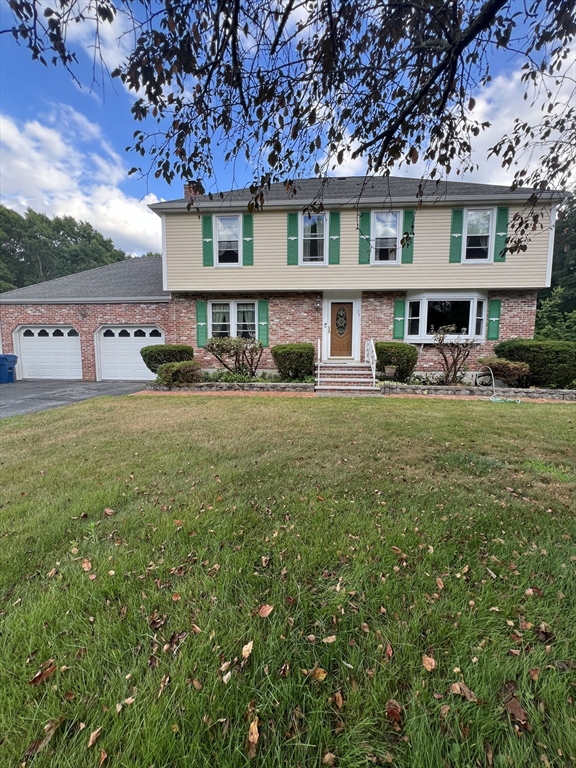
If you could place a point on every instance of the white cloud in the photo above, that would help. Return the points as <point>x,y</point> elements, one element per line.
<point>61,165</point>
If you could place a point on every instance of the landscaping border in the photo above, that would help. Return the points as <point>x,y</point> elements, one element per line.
<point>504,393</point>
<point>224,386</point>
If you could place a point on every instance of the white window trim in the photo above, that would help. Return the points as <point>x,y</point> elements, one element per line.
<point>491,235</point>
<point>472,296</point>
<point>233,314</point>
<point>373,261</point>
<point>301,262</point>
<point>240,240</point>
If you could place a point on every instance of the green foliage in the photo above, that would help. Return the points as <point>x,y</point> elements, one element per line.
<point>158,354</point>
<point>236,354</point>
<point>179,374</point>
<point>454,351</point>
<point>35,248</point>
<point>403,356</point>
<point>552,322</point>
<point>294,361</point>
<point>509,372</point>
<point>552,363</point>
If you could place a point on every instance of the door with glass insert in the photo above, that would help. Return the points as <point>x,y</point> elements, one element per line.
<point>341,329</point>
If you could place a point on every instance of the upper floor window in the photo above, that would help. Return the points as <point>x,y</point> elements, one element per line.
<point>227,239</point>
<point>478,239</point>
<point>233,318</point>
<point>314,240</point>
<point>385,245</point>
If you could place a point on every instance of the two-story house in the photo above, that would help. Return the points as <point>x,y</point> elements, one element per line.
<point>387,259</point>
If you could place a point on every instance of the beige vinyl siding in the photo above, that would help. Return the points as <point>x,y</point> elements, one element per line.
<point>429,270</point>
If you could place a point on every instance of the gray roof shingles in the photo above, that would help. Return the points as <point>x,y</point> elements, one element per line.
<point>354,190</point>
<point>138,279</point>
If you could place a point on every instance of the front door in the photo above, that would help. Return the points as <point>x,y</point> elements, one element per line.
<point>341,329</point>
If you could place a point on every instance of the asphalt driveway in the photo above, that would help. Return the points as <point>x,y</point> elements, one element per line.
<point>29,396</point>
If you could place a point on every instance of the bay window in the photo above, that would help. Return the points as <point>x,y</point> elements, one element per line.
<point>426,314</point>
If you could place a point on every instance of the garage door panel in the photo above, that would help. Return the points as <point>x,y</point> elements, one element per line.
<point>119,351</point>
<point>44,355</point>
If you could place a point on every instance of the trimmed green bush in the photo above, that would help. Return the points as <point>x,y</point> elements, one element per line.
<point>294,361</point>
<point>511,373</point>
<point>552,363</point>
<point>180,373</point>
<point>158,354</point>
<point>237,354</point>
<point>403,356</point>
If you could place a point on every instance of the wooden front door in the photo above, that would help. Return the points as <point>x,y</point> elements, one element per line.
<point>341,329</point>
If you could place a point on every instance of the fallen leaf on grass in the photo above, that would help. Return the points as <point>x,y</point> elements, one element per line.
<point>329,640</point>
<point>253,737</point>
<point>226,678</point>
<point>329,759</point>
<point>195,682</point>
<point>444,709</point>
<point>103,756</point>
<point>544,632</point>
<point>515,709</point>
<point>394,713</point>
<point>460,689</point>
<point>246,651</point>
<point>265,610</point>
<point>284,670</point>
<point>535,673</point>
<point>338,700</point>
<point>46,670</point>
<point>37,746</point>
<point>318,674</point>
<point>94,736</point>
<point>489,754</point>
<point>364,627</point>
<point>129,700</point>
<point>439,583</point>
<point>163,683</point>
<point>428,663</point>
<point>86,565</point>
<point>156,621</point>
<point>108,512</point>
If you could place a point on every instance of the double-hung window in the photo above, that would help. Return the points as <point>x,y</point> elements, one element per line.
<point>478,243</point>
<point>313,239</point>
<point>228,240</point>
<point>233,318</point>
<point>426,314</point>
<point>385,243</point>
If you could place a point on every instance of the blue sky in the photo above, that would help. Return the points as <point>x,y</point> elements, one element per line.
<point>63,146</point>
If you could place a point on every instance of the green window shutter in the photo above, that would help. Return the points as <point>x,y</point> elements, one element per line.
<point>334,241</point>
<point>407,227</point>
<point>247,240</point>
<point>364,244</point>
<point>456,236</point>
<point>201,323</point>
<point>399,315</point>
<point>263,321</point>
<point>207,242</point>
<point>493,332</point>
<point>501,234</point>
<point>292,252</point>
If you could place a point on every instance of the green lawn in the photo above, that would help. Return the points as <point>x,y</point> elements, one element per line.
<point>143,537</point>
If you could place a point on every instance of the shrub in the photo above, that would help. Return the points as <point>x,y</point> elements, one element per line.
<point>236,354</point>
<point>179,374</point>
<point>159,354</point>
<point>294,361</point>
<point>552,363</point>
<point>403,356</point>
<point>454,351</point>
<point>511,373</point>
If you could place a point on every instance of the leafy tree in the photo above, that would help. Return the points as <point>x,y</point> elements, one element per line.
<point>34,248</point>
<point>152,255</point>
<point>296,85</point>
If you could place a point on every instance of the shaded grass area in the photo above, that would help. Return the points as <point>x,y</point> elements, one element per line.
<point>399,528</point>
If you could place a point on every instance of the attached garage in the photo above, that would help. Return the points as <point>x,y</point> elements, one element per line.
<point>49,352</point>
<point>118,352</point>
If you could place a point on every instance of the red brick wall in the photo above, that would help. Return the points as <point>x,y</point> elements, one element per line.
<point>292,317</point>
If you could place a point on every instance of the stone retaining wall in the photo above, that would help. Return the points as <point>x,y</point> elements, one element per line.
<point>211,386</point>
<point>508,393</point>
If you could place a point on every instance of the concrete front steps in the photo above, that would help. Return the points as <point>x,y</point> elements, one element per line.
<point>341,378</point>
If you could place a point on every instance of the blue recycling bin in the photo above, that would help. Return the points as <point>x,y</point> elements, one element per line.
<point>7,365</point>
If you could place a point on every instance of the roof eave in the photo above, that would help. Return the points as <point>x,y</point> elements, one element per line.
<point>92,300</point>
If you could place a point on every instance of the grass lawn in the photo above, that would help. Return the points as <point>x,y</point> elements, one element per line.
<point>203,581</point>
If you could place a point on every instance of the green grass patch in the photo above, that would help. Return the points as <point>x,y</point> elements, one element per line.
<point>142,537</point>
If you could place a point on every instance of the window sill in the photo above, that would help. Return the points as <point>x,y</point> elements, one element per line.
<point>430,339</point>
<point>315,264</point>
<point>385,263</point>
<point>228,266</point>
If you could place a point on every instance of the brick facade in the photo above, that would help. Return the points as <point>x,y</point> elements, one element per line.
<point>292,317</point>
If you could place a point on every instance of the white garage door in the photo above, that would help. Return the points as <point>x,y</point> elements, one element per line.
<point>49,352</point>
<point>119,349</point>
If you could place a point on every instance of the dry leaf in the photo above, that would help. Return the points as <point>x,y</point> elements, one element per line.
<point>338,700</point>
<point>94,736</point>
<point>439,583</point>
<point>265,561</point>
<point>284,670</point>
<point>196,683</point>
<point>86,565</point>
<point>489,754</point>
<point>103,756</point>
<point>37,746</point>
<point>196,629</point>
<point>535,673</point>
<point>329,640</point>
<point>46,670</point>
<point>394,713</point>
<point>460,689</point>
<point>513,706</point>
<point>247,650</point>
<point>444,709</point>
<point>253,737</point>
<point>163,683</point>
<point>265,610</point>
<point>318,674</point>
<point>428,663</point>
<point>226,678</point>
<point>389,651</point>
<point>329,759</point>
<point>129,700</point>
<point>364,627</point>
